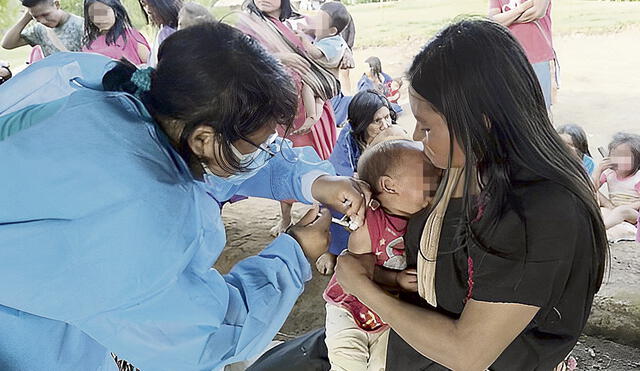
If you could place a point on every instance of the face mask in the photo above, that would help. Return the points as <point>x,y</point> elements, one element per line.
<point>222,188</point>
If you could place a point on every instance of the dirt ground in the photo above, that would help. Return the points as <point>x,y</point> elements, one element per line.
<point>600,89</point>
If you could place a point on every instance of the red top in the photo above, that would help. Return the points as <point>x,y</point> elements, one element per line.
<point>387,244</point>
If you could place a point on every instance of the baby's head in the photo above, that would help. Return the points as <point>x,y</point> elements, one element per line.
<point>331,20</point>
<point>624,152</point>
<point>393,132</point>
<point>401,177</point>
<point>193,14</point>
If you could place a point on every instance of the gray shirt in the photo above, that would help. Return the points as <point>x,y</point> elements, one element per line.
<point>70,35</point>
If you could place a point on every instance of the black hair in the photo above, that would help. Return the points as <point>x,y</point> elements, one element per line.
<point>166,10</point>
<point>374,65</point>
<point>286,11</point>
<point>32,3</point>
<point>362,108</point>
<point>578,137</point>
<point>91,32</point>
<point>212,74</point>
<point>338,14</point>
<point>477,76</point>
<point>633,141</point>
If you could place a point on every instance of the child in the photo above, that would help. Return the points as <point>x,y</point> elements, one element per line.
<point>193,14</point>
<point>356,336</point>
<point>394,90</point>
<point>54,31</point>
<point>621,172</point>
<point>108,31</point>
<point>328,49</point>
<point>575,137</point>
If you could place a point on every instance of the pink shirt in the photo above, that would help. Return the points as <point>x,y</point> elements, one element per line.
<point>622,191</point>
<point>387,244</point>
<point>535,37</point>
<point>127,49</point>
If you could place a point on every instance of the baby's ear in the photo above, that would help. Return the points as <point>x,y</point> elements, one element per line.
<point>388,184</point>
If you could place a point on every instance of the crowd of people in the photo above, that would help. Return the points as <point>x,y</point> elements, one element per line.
<point>115,187</point>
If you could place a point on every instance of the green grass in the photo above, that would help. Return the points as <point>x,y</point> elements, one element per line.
<point>392,23</point>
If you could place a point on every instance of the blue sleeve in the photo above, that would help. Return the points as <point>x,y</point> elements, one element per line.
<point>287,176</point>
<point>25,118</point>
<point>589,164</point>
<point>204,321</point>
<point>341,156</point>
<point>332,48</point>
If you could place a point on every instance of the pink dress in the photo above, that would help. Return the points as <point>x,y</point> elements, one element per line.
<point>323,134</point>
<point>387,244</point>
<point>127,49</point>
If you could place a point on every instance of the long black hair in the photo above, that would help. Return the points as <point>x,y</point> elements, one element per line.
<point>213,74</point>
<point>286,11</point>
<point>91,32</point>
<point>362,108</point>
<point>578,137</point>
<point>477,76</point>
<point>166,10</point>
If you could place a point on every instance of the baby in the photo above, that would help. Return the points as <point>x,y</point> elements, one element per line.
<point>193,14</point>
<point>328,50</point>
<point>404,182</point>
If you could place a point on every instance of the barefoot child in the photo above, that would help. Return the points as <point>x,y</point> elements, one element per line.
<point>403,181</point>
<point>621,172</point>
<point>327,49</point>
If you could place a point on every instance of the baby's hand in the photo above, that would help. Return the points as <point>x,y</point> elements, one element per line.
<point>408,280</point>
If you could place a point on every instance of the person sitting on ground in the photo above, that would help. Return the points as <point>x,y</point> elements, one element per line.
<point>164,15</point>
<point>327,49</point>
<point>54,31</point>
<point>108,31</point>
<point>576,139</point>
<point>369,115</point>
<point>621,172</point>
<point>193,14</point>
<point>394,90</point>
<point>5,72</point>
<point>376,79</point>
<point>356,336</point>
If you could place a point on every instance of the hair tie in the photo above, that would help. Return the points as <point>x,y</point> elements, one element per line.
<point>142,80</point>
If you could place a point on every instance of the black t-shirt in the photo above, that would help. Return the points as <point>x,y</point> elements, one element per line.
<point>542,259</point>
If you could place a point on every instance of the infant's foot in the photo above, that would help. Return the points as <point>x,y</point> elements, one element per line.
<point>325,263</point>
<point>281,227</point>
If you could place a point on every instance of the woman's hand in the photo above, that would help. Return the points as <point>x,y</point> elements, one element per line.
<point>312,232</point>
<point>408,280</point>
<point>294,61</point>
<point>355,271</point>
<point>345,195</point>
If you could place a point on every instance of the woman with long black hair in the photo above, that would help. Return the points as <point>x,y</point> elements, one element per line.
<point>511,255</point>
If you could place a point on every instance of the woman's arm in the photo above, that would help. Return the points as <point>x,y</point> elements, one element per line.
<point>537,10</point>
<point>143,52</point>
<point>508,18</point>
<point>472,342</point>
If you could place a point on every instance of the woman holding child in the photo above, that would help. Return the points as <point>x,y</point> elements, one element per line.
<point>512,251</point>
<point>109,223</point>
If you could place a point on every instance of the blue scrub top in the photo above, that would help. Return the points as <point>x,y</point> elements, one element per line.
<point>107,243</point>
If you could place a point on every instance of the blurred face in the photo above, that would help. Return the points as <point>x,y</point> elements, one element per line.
<point>46,13</point>
<point>432,130</point>
<point>622,158</point>
<point>102,16</point>
<point>381,121</point>
<point>269,7</point>
<point>322,25</point>
<point>569,142</point>
<point>410,187</point>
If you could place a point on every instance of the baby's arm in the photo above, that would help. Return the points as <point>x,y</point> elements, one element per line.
<point>360,241</point>
<point>313,51</point>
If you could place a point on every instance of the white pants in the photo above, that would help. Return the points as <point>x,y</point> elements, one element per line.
<point>350,348</point>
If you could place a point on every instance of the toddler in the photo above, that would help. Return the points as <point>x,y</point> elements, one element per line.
<point>621,172</point>
<point>328,50</point>
<point>575,137</point>
<point>403,181</point>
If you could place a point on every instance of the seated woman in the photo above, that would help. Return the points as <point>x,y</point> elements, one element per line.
<point>621,172</point>
<point>369,114</point>
<point>108,31</point>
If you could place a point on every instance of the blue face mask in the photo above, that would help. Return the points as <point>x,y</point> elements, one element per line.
<point>222,188</point>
